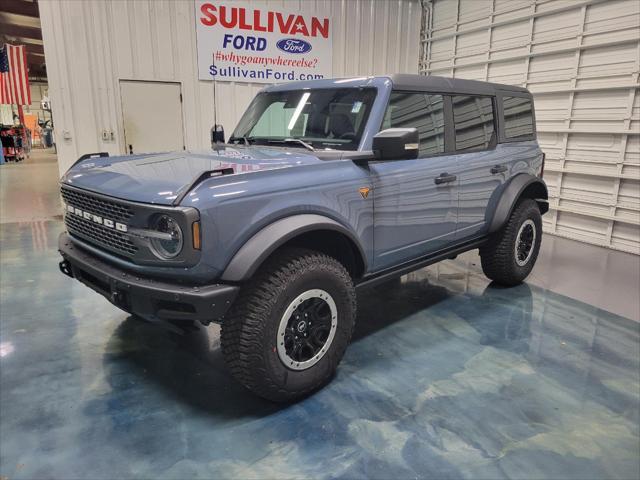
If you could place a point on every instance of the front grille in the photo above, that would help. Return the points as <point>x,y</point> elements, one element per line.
<point>105,208</point>
<point>100,235</point>
<point>117,225</point>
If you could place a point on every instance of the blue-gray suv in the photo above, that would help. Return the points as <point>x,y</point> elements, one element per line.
<point>324,187</point>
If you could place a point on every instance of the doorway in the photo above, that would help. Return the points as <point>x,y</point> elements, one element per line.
<point>152,116</point>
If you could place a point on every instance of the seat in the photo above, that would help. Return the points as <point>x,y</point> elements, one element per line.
<point>317,126</point>
<point>340,125</point>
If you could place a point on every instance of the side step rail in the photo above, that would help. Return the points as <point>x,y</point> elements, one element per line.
<point>386,275</point>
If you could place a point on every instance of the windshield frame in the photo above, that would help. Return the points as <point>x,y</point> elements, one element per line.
<point>370,96</point>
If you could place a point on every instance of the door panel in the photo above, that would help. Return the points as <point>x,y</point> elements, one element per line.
<point>413,216</point>
<point>152,116</point>
<point>477,184</point>
<point>482,168</point>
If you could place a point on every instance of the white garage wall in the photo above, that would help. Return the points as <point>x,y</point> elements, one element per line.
<point>580,59</point>
<point>91,45</point>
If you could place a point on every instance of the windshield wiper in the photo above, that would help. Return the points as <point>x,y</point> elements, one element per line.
<point>244,138</point>
<point>306,145</point>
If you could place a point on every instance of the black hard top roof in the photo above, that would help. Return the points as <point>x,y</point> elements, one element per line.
<point>402,81</point>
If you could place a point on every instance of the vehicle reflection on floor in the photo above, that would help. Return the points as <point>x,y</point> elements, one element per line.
<point>447,376</point>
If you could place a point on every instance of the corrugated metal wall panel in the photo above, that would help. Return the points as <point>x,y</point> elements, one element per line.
<point>91,46</point>
<point>581,61</point>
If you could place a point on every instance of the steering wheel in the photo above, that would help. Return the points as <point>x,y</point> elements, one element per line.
<point>348,136</point>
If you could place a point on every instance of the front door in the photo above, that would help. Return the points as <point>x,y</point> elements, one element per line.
<point>152,116</point>
<point>415,201</point>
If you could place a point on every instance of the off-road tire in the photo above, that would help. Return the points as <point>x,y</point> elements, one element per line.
<point>249,333</point>
<point>498,254</point>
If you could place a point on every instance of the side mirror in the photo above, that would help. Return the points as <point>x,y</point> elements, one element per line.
<point>396,144</point>
<point>217,135</point>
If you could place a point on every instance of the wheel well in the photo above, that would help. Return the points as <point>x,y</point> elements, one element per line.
<point>537,192</point>
<point>334,244</point>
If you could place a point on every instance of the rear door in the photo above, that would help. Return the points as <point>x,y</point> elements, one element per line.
<point>482,166</point>
<point>414,215</point>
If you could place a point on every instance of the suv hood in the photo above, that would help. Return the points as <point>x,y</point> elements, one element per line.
<point>161,177</point>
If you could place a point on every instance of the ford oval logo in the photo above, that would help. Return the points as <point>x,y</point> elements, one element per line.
<point>293,45</point>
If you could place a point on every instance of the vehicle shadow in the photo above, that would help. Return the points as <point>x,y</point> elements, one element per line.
<point>393,301</point>
<point>190,368</point>
<point>187,366</point>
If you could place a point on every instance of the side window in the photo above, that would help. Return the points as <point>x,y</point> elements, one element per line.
<point>422,111</point>
<point>474,122</point>
<point>518,117</point>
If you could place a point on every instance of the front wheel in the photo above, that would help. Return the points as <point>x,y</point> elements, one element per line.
<point>291,325</point>
<point>510,254</point>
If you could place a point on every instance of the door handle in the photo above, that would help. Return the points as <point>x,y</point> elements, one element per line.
<point>445,178</point>
<point>130,149</point>
<point>498,169</point>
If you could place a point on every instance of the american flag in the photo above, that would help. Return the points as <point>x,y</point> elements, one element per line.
<point>14,76</point>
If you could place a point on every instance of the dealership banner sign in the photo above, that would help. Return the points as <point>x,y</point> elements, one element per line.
<point>240,42</point>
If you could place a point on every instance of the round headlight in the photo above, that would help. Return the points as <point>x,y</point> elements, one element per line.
<point>172,245</point>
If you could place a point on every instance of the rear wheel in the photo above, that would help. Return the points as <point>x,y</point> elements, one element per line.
<point>510,254</point>
<point>291,325</point>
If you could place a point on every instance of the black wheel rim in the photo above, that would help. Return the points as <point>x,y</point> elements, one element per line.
<point>525,242</point>
<point>306,329</point>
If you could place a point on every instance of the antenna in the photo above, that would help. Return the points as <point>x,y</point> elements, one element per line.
<point>215,102</point>
<point>217,132</point>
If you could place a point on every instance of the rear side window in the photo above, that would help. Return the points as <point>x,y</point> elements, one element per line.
<point>518,117</point>
<point>474,122</point>
<point>422,111</point>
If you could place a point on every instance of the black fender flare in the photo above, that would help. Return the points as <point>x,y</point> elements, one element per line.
<point>508,195</point>
<point>257,249</point>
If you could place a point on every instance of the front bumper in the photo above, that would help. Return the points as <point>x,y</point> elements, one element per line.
<point>149,298</point>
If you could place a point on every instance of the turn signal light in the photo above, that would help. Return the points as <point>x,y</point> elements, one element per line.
<point>195,230</point>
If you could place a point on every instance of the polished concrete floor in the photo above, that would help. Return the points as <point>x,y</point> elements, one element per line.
<point>448,376</point>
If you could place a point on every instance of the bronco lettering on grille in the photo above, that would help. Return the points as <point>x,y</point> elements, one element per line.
<point>121,227</point>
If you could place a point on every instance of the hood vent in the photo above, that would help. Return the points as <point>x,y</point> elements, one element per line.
<point>206,175</point>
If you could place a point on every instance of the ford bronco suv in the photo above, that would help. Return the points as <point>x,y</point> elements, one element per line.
<point>324,187</point>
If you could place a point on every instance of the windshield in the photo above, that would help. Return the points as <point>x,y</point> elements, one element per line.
<point>323,118</point>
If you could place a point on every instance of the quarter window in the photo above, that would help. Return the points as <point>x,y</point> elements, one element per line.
<point>421,111</point>
<point>518,117</point>
<point>474,122</point>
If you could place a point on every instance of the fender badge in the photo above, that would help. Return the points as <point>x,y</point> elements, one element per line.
<point>364,191</point>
